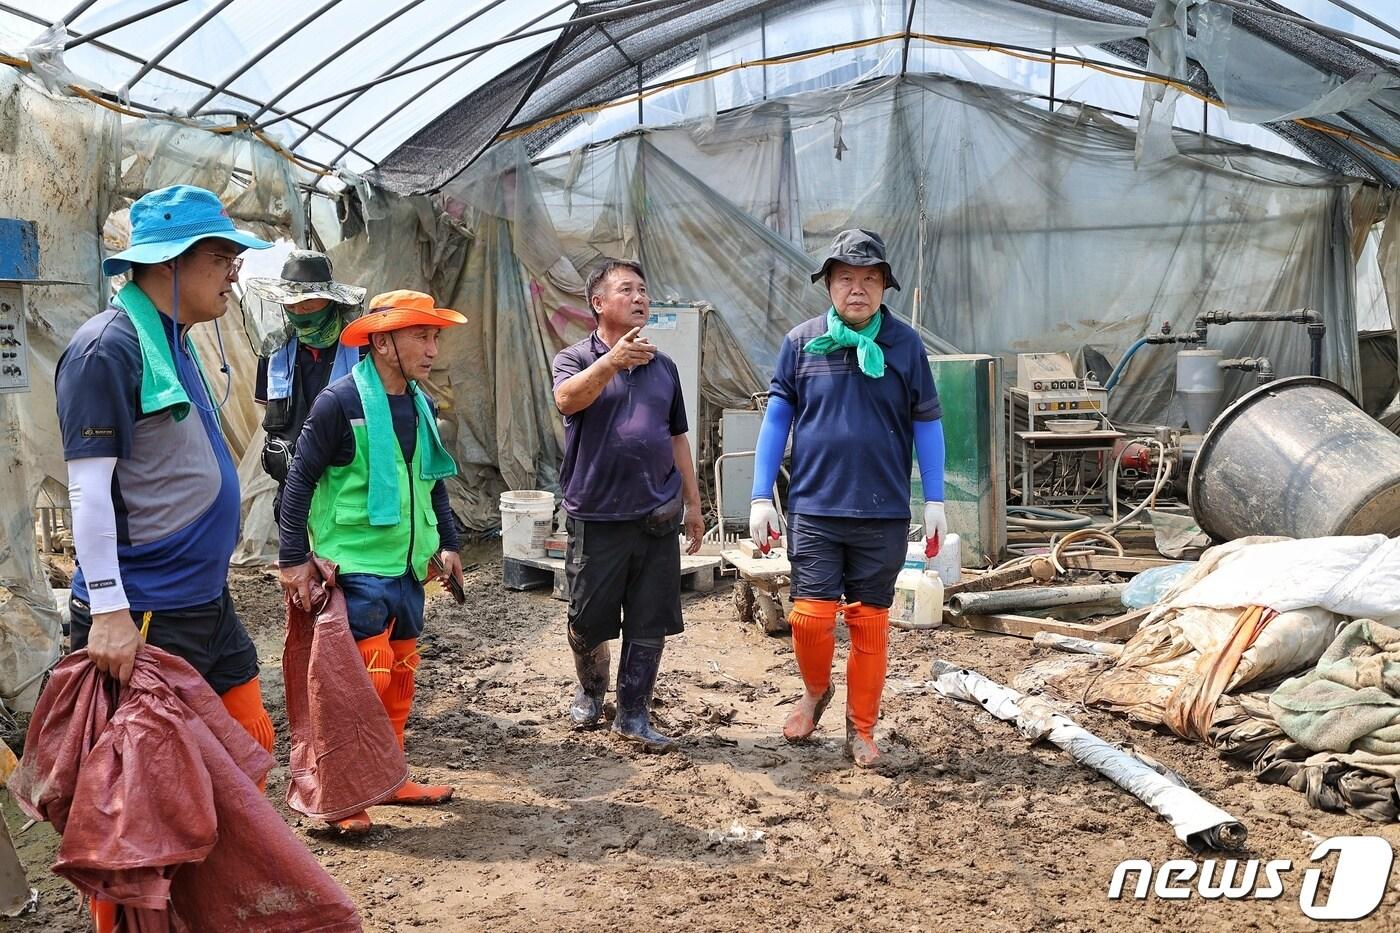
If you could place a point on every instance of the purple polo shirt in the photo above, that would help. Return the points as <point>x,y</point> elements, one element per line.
<point>618,463</point>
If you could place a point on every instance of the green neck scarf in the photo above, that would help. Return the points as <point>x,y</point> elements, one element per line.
<point>840,334</point>
<point>318,329</point>
<point>434,462</point>
<point>160,383</point>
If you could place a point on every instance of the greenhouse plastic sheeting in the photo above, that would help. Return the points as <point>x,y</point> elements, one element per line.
<point>1012,229</point>
<point>57,168</point>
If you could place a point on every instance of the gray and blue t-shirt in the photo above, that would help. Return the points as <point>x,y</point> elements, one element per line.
<point>175,488</point>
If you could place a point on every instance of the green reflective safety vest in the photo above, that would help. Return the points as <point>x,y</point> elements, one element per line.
<point>339,519</point>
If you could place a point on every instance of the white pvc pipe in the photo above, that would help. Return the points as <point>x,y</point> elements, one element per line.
<point>1197,822</point>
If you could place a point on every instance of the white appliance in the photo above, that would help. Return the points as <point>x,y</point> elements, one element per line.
<point>675,328</point>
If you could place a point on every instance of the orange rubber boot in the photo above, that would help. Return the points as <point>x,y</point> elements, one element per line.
<point>379,660</point>
<point>398,702</point>
<point>104,915</point>
<point>865,679</point>
<point>813,624</point>
<point>244,703</point>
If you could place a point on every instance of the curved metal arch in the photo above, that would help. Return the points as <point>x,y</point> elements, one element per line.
<point>263,53</point>
<point>124,91</point>
<point>270,105</point>
<point>387,117</point>
<point>340,108</point>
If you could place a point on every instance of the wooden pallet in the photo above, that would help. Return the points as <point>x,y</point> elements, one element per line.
<point>537,573</point>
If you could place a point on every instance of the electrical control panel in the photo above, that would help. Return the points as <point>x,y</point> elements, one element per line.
<point>1048,387</point>
<point>14,345</point>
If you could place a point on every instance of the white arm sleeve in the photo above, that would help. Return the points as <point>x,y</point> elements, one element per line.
<point>95,531</point>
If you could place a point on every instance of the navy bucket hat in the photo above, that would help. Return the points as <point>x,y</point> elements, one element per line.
<point>857,247</point>
<point>168,221</point>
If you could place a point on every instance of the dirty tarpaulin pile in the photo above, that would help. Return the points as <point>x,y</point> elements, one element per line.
<point>197,848</point>
<point>1253,612</point>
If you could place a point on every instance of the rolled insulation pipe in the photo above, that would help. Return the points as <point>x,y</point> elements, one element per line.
<point>1033,597</point>
<point>1196,821</point>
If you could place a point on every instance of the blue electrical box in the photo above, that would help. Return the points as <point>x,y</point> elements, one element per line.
<point>19,250</point>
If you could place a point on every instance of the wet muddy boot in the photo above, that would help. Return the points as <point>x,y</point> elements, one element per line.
<point>586,711</point>
<point>636,678</point>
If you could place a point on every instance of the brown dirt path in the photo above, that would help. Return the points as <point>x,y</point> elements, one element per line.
<point>966,827</point>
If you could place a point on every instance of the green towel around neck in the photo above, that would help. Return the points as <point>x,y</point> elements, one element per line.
<point>160,383</point>
<point>840,334</point>
<point>434,462</point>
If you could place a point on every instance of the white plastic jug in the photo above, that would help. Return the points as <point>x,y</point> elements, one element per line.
<point>928,600</point>
<point>906,587</point>
<point>918,598</point>
<point>948,560</point>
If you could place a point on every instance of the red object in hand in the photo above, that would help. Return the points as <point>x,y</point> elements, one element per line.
<point>931,546</point>
<point>765,546</point>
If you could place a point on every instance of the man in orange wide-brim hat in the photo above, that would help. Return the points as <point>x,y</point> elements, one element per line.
<point>366,486</point>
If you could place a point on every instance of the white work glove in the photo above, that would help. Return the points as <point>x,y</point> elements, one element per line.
<point>765,524</point>
<point>935,527</point>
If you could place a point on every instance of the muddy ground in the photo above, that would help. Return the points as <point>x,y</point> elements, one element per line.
<point>966,827</point>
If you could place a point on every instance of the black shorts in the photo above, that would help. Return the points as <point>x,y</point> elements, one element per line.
<point>857,558</point>
<point>623,579</point>
<point>210,637</point>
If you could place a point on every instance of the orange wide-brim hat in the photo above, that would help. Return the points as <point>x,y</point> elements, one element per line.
<point>395,311</point>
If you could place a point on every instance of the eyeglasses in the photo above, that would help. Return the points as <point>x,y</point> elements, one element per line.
<point>231,263</point>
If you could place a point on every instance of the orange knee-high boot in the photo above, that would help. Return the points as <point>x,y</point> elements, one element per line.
<point>865,678</point>
<point>104,915</point>
<point>813,624</point>
<point>398,702</point>
<point>244,703</point>
<point>379,660</point>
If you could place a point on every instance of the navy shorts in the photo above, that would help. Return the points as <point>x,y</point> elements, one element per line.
<point>857,558</point>
<point>375,603</point>
<point>623,580</point>
<point>210,637</point>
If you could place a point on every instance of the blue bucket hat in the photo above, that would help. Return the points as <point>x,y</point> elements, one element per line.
<point>168,221</point>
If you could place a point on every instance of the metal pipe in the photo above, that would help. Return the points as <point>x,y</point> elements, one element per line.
<point>73,43</point>
<point>616,13</point>
<point>1035,597</point>
<point>260,55</point>
<point>124,91</point>
<point>1307,316</point>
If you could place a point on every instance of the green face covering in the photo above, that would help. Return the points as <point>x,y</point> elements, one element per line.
<point>318,329</point>
<point>840,334</point>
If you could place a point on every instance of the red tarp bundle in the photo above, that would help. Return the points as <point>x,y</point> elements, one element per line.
<point>344,753</point>
<point>154,790</point>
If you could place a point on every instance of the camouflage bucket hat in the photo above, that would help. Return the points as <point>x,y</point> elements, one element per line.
<point>306,275</point>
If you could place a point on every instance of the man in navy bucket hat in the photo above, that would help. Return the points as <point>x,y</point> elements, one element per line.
<point>153,485</point>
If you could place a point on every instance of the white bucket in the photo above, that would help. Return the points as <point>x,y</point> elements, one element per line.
<point>527,519</point>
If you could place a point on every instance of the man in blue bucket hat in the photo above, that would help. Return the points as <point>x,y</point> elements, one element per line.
<point>153,485</point>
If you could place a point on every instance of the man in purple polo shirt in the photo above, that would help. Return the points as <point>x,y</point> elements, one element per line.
<point>627,474</point>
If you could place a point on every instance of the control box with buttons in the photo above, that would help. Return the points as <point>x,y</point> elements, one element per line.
<point>14,345</point>
<point>1047,386</point>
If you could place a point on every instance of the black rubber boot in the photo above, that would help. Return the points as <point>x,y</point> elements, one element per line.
<point>592,666</point>
<point>636,678</point>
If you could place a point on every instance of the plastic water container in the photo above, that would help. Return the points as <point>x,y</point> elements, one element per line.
<point>527,516</point>
<point>918,597</point>
<point>948,560</point>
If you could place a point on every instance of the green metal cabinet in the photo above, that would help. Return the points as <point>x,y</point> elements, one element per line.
<point>969,386</point>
